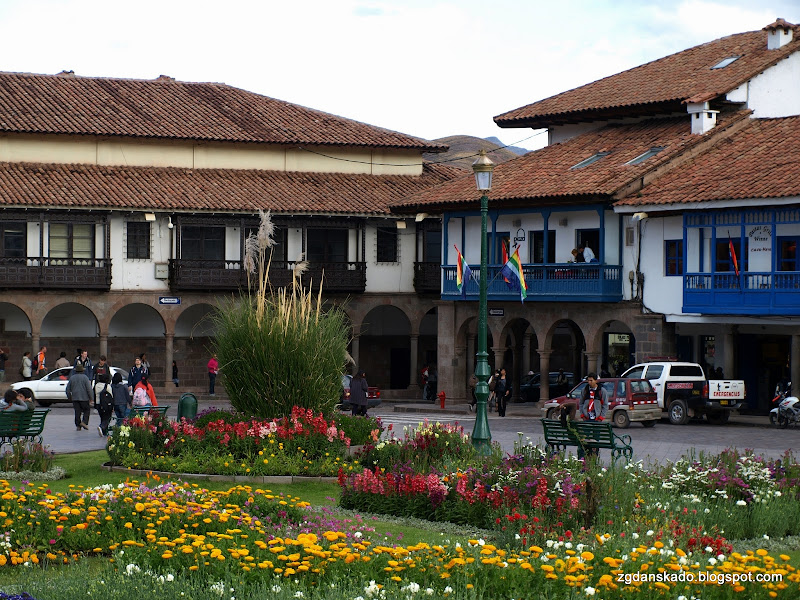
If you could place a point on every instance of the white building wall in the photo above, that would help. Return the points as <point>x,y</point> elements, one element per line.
<point>138,274</point>
<point>386,277</point>
<point>662,294</point>
<point>776,91</point>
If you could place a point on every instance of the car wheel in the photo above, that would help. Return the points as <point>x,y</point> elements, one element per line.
<point>718,417</point>
<point>551,413</point>
<point>649,423</point>
<point>678,412</point>
<point>621,419</point>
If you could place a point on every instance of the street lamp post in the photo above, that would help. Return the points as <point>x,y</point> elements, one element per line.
<point>481,436</point>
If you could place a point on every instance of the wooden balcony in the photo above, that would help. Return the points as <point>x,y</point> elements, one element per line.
<point>427,277</point>
<point>185,275</point>
<point>56,273</point>
<point>584,282</point>
<point>749,293</point>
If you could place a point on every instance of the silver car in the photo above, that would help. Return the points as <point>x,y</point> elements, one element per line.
<point>52,387</point>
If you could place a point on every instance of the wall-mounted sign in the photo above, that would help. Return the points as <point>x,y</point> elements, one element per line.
<point>759,248</point>
<point>520,236</point>
<point>497,312</point>
<point>169,300</point>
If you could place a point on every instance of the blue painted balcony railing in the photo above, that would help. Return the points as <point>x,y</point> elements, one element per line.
<point>592,282</point>
<point>776,293</point>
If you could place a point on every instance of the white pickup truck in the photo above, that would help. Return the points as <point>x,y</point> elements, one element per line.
<point>684,392</point>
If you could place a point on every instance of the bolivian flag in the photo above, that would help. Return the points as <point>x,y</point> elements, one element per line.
<point>463,273</point>
<point>512,271</point>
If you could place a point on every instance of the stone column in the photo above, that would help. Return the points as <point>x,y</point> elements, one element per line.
<point>460,373</point>
<point>104,346</point>
<point>794,365</point>
<point>413,379</point>
<point>35,337</point>
<point>515,350</point>
<point>591,359</point>
<point>544,376</point>
<point>169,352</point>
<point>472,350</point>
<point>730,354</point>
<point>445,342</point>
<point>356,351</point>
<point>526,353</point>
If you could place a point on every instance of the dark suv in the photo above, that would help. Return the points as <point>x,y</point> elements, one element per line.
<point>529,389</point>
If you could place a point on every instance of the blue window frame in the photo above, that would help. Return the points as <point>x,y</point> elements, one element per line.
<point>724,260</point>
<point>787,254</point>
<point>673,257</point>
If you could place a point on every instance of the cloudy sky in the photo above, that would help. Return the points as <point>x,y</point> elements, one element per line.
<point>430,68</point>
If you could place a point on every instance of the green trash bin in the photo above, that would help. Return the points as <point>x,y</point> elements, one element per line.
<point>187,406</point>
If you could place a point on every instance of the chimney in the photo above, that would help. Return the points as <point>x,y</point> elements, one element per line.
<point>779,34</point>
<point>165,78</point>
<point>703,119</point>
<point>66,73</point>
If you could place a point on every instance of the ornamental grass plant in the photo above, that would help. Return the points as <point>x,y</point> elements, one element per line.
<point>279,348</point>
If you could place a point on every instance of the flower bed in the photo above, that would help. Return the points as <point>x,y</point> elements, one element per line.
<point>303,444</point>
<point>245,539</point>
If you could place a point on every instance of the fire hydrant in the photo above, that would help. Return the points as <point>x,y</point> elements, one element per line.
<point>442,398</point>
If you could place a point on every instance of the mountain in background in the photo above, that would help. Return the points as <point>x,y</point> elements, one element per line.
<point>464,149</point>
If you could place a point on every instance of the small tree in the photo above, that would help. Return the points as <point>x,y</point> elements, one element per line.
<point>279,348</point>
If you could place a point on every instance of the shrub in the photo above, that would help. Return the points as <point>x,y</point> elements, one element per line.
<point>26,456</point>
<point>279,348</point>
<point>360,430</point>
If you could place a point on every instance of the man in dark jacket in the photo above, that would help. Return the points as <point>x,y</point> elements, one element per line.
<point>358,394</point>
<point>593,405</point>
<point>84,360</point>
<point>79,391</point>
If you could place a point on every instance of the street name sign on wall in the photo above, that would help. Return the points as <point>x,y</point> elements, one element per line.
<point>169,300</point>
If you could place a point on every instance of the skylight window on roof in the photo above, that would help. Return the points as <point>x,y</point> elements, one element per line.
<point>724,63</point>
<point>643,157</point>
<point>592,159</point>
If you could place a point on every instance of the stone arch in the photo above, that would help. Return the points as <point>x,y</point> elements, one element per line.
<point>566,342</point>
<point>520,345</point>
<point>196,321</point>
<point>613,344</point>
<point>385,347</point>
<point>15,336</point>
<point>136,320</point>
<point>68,326</point>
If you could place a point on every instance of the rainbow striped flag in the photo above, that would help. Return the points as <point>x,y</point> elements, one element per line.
<point>463,273</point>
<point>512,271</point>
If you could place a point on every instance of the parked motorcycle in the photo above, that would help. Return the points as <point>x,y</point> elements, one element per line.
<point>787,409</point>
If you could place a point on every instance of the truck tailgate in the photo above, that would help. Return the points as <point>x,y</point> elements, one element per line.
<point>726,392</point>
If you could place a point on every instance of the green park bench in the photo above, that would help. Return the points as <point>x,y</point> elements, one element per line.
<point>26,425</point>
<point>585,435</point>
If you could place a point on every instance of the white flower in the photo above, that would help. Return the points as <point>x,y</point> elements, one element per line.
<point>650,532</point>
<point>448,590</point>
<point>299,594</point>
<point>589,591</point>
<point>277,589</point>
<point>131,569</point>
<point>741,503</point>
<point>429,591</point>
<point>357,535</point>
<point>709,549</point>
<point>635,535</point>
<point>766,537</point>
<point>712,561</point>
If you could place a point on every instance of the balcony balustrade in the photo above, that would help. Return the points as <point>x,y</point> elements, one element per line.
<point>56,273</point>
<point>427,277</point>
<point>589,282</point>
<point>749,293</point>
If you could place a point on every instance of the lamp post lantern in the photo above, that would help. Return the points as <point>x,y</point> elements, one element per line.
<point>481,436</point>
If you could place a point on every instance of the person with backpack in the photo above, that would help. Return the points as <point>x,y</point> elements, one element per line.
<point>79,392</point>
<point>144,396</point>
<point>122,398</point>
<point>38,363</point>
<point>105,406</point>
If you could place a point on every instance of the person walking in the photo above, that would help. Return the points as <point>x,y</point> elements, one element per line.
<point>26,370</point>
<point>104,402</point>
<point>3,358</point>
<point>358,394</point>
<point>145,364</point>
<point>593,406</point>
<point>213,371</point>
<point>135,374</point>
<point>41,369</point>
<point>122,398</point>
<point>492,386</point>
<point>62,361</point>
<point>79,392</point>
<point>502,391</point>
<point>88,367</point>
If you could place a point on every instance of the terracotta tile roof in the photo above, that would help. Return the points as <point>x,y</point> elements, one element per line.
<point>131,188</point>
<point>659,86</point>
<point>760,161</point>
<point>165,108</point>
<point>546,177</point>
